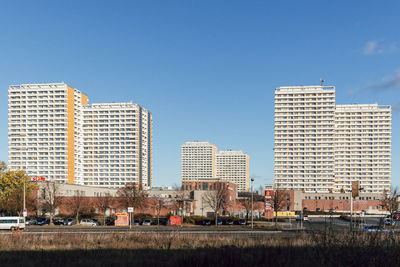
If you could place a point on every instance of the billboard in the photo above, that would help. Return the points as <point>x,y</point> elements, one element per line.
<point>122,219</point>
<point>285,214</point>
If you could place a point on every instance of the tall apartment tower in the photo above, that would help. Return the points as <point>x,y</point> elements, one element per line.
<point>363,147</point>
<point>54,133</point>
<point>323,147</point>
<point>304,138</point>
<point>198,160</point>
<point>117,144</point>
<point>233,166</point>
<point>43,125</point>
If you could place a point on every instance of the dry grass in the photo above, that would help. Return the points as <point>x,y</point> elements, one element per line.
<point>326,248</point>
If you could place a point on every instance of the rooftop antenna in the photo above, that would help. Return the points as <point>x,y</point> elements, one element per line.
<point>322,81</point>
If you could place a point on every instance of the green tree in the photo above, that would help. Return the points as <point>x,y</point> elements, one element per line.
<point>12,190</point>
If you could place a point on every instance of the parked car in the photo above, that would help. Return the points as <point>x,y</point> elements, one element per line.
<point>43,221</point>
<point>229,222</point>
<point>375,228</point>
<point>31,221</point>
<point>89,222</point>
<point>219,221</point>
<point>58,221</point>
<point>147,222</point>
<point>206,222</point>
<point>70,221</point>
<point>303,218</point>
<point>242,222</point>
<point>110,222</point>
<point>136,222</point>
<point>388,221</point>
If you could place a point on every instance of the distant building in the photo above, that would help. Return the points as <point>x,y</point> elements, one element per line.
<point>198,160</point>
<point>202,160</point>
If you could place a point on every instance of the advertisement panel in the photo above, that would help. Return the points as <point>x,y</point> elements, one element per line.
<point>122,219</point>
<point>285,214</point>
<point>175,220</point>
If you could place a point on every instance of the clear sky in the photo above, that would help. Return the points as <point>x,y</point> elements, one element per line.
<point>205,69</point>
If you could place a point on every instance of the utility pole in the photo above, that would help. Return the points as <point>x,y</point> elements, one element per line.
<point>252,202</point>
<point>24,211</point>
<point>351,210</point>
<point>301,219</point>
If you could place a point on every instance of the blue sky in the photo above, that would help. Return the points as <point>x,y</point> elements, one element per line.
<point>205,69</point>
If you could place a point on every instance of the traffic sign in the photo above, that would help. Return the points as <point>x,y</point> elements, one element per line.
<point>131,209</point>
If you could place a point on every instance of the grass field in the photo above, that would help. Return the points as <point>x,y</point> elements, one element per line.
<point>323,249</point>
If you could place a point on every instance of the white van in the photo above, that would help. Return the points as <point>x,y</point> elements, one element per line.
<point>12,223</point>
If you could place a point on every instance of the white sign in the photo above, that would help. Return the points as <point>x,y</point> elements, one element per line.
<point>130,209</point>
<point>25,214</point>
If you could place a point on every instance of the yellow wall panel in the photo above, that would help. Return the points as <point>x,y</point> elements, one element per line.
<point>71,135</point>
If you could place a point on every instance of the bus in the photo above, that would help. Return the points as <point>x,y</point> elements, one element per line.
<point>12,223</point>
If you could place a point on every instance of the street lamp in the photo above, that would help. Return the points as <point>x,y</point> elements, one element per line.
<point>252,223</point>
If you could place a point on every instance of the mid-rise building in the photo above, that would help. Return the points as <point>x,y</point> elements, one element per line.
<point>233,166</point>
<point>323,147</point>
<point>202,160</point>
<point>198,160</point>
<point>54,133</point>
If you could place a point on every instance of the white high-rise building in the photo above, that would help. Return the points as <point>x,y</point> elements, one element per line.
<point>198,160</point>
<point>54,133</point>
<point>117,142</point>
<point>203,161</point>
<point>363,147</point>
<point>233,166</point>
<point>304,138</point>
<point>322,147</point>
<point>43,124</point>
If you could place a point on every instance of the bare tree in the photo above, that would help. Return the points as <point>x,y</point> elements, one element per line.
<point>158,204</point>
<point>133,195</point>
<point>279,201</point>
<point>51,199</point>
<point>77,203</point>
<point>246,203</point>
<point>103,203</point>
<point>260,190</point>
<point>217,199</point>
<point>390,201</point>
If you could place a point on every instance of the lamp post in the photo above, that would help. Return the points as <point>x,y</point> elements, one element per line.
<point>24,211</point>
<point>252,211</point>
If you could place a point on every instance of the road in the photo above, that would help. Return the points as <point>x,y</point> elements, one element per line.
<point>315,224</point>
<point>334,223</point>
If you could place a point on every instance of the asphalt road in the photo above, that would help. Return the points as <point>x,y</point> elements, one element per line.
<point>315,224</point>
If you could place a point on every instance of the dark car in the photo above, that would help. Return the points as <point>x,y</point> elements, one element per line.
<point>58,221</point>
<point>43,221</point>
<point>219,221</point>
<point>229,222</point>
<point>110,222</point>
<point>136,222</point>
<point>206,222</point>
<point>242,222</point>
